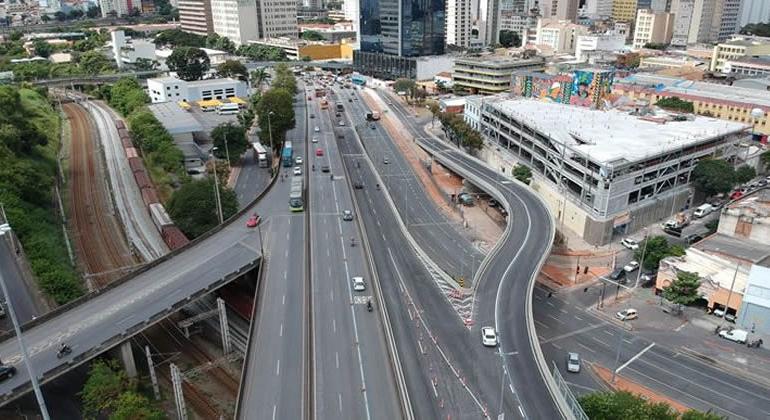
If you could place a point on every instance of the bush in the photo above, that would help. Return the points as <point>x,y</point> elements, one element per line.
<point>675,104</point>
<point>193,207</point>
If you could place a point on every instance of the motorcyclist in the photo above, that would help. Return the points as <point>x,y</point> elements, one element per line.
<point>331,176</point>
<point>63,349</point>
<point>378,187</point>
<point>369,305</point>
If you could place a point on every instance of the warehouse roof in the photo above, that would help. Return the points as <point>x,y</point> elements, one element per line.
<point>613,136</point>
<point>674,86</point>
<point>175,119</point>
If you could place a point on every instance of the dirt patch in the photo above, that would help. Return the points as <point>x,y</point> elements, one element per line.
<point>624,384</point>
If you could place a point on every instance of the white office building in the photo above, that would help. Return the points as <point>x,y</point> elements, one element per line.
<point>754,11</point>
<point>235,19</point>
<point>609,42</point>
<point>560,35</point>
<point>458,23</point>
<point>167,89</point>
<point>277,18</point>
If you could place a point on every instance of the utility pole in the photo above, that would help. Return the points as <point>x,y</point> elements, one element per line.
<point>223,326</point>
<point>617,355</point>
<point>153,377</point>
<point>732,286</point>
<point>216,187</point>
<point>176,382</point>
<point>641,263</point>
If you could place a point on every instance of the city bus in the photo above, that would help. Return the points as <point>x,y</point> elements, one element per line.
<point>296,194</point>
<point>287,157</point>
<point>260,154</point>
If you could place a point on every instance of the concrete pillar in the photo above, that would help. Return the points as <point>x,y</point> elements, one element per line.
<point>128,359</point>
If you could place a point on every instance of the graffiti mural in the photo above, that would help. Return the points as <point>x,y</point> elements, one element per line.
<point>590,87</point>
<point>542,86</point>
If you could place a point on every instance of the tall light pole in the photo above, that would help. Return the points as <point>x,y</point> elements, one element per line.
<point>270,127</point>
<point>227,153</point>
<point>216,186</point>
<point>5,228</point>
<point>617,355</point>
<point>503,373</point>
<point>641,263</point>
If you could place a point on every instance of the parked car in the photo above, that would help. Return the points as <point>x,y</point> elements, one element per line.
<point>631,266</point>
<point>736,335</point>
<point>618,274</point>
<point>703,210</point>
<point>647,278</point>
<point>629,243</point>
<point>573,362</point>
<point>627,314</point>
<point>488,337</point>
<point>691,239</point>
<point>673,231</point>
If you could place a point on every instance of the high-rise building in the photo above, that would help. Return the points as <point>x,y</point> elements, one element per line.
<point>598,9</point>
<point>652,28</point>
<point>485,22</point>
<point>754,11</point>
<point>458,23</point>
<point>277,18</point>
<point>235,19</point>
<point>195,16</point>
<point>560,9</point>
<point>725,20</point>
<point>704,21</point>
<point>116,7</point>
<point>560,35</point>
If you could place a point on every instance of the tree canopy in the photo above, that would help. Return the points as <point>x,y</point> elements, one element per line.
<point>656,248</point>
<point>94,62</point>
<point>744,174</point>
<point>42,48</point>
<point>623,405</point>
<point>684,289</point>
<point>261,52</point>
<point>522,173</point>
<point>217,42</point>
<point>232,68</point>
<point>278,103</point>
<point>759,29</point>
<point>284,78</point>
<point>229,138</point>
<point>458,131</point>
<point>189,63</point>
<point>109,393</point>
<point>193,207</point>
<point>312,36</point>
<point>179,38</point>
<point>713,176</point>
<point>407,86</point>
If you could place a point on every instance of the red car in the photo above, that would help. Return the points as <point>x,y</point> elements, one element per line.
<point>319,152</point>
<point>736,195</point>
<point>253,221</point>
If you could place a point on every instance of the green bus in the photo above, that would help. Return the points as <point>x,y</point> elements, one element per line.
<point>297,196</point>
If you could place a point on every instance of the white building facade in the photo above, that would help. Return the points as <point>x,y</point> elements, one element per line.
<point>235,19</point>
<point>609,42</point>
<point>458,23</point>
<point>169,89</point>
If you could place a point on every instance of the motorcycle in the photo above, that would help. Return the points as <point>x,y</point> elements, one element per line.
<point>63,351</point>
<point>369,306</point>
<point>378,187</point>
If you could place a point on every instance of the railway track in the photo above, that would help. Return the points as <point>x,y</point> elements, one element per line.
<point>99,241</point>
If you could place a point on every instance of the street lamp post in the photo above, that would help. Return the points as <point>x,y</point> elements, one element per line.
<point>227,153</point>
<point>503,373</point>
<point>216,187</point>
<point>617,355</point>
<point>641,263</point>
<point>5,228</point>
<point>270,127</point>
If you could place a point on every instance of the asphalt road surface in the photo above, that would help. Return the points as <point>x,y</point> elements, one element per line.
<point>20,293</point>
<point>251,181</point>
<point>439,237</point>
<point>503,294</point>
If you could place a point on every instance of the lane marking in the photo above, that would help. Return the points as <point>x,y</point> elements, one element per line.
<point>586,347</point>
<point>638,355</point>
<point>278,368</point>
<point>280,331</point>
<point>576,332</point>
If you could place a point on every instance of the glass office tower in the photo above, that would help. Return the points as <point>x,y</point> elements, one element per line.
<point>392,30</point>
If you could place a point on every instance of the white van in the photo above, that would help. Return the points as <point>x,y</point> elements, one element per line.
<point>739,336</point>
<point>703,210</point>
<point>228,108</point>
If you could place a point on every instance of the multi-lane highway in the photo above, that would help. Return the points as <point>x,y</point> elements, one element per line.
<point>503,293</point>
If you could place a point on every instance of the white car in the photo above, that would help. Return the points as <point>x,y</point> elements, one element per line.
<point>573,362</point>
<point>342,123</point>
<point>629,243</point>
<point>297,171</point>
<point>315,140</point>
<point>488,337</point>
<point>626,314</point>
<point>298,160</point>
<point>358,284</point>
<point>317,130</point>
<point>631,266</point>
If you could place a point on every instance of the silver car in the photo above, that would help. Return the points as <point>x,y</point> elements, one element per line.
<point>573,362</point>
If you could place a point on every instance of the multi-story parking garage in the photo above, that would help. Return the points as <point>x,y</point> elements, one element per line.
<point>619,170</point>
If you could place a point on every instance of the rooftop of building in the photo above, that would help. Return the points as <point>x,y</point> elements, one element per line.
<point>175,119</point>
<point>735,248</point>
<point>704,89</point>
<point>713,269</point>
<point>757,203</point>
<point>613,136</point>
<point>497,61</point>
<point>194,83</point>
<point>763,60</point>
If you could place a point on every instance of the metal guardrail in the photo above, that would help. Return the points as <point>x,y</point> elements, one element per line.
<point>572,401</point>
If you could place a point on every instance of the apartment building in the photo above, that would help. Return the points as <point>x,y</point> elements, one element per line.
<point>754,11</point>
<point>738,47</point>
<point>277,18</point>
<point>609,42</point>
<point>728,103</point>
<point>235,19</point>
<point>560,9</point>
<point>604,173</point>
<point>458,23</point>
<point>652,28</point>
<point>560,35</point>
<point>704,21</point>
<point>490,75</point>
<point>195,16</point>
<point>747,67</point>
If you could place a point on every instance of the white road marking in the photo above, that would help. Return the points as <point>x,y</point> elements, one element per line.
<point>275,409</point>
<point>586,347</point>
<point>280,331</point>
<point>608,332</point>
<point>334,325</point>
<point>600,341</point>
<point>337,359</point>
<point>634,358</point>
<point>283,299</point>
<point>278,368</point>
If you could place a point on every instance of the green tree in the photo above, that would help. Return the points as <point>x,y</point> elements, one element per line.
<point>178,38</point>
<point>94,62</point>
<point>106,381</point>
<point>656,248</point>
<point>522,173</point>
<point>713,176</point>
<point>623,405</point>
<point>284,78</point>
<point>258,77</point>
<point>277,103</point>
<point>146,64</point>
<point>217,42</point>
<point>407,86</point>
<point>134,406</point>
<point>765,158</point>
<point>189,63</point>
<point>75,14</point>
<point>676,104</point>
<point>45,18</point>
<point>60,16</point>
<point>193,206</point>
<point>509,39</point>
<point>759,29</point>
<point>126,95</point>
<point>744,173</point>
<point>229,138</point>
<point>42,48</point>
<point>712,225</point>
<point>93,12</point>
<point>684,289</point>
<point>312,36</point>
<point>232,68</point>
